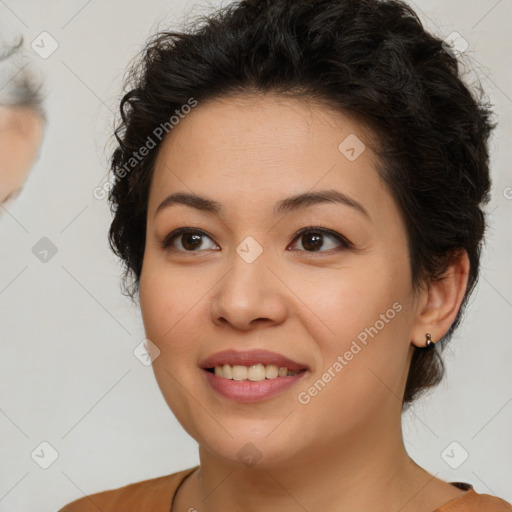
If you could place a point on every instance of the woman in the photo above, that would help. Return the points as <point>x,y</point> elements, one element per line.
<point>297,197</point>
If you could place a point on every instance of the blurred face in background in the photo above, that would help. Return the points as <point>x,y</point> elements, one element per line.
<point>21,132</point>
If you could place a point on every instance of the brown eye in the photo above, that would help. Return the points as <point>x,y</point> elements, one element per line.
<point>189,239</point>
<point>313,239</point>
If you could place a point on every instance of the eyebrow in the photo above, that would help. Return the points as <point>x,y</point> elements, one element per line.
<point>290,204</point>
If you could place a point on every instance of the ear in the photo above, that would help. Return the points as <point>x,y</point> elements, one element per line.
<point>439,305</point>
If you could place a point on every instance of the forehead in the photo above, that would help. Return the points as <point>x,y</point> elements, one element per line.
<point>249,149</point>
<point>268,128</point>
<point>243,123</point>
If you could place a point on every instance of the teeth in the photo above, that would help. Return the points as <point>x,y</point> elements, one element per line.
<point>253,373</point>
<point>271,371</point>
<point>227,371</point>
<point>256,372</point>
<point>239,372</point>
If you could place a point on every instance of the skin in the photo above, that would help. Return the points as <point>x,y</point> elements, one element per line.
<point>21,133</point>
<point>344,449</point>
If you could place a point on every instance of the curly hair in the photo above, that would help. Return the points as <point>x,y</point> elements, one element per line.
<point>370,59</point>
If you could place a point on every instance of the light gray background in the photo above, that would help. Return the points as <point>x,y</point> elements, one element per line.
<point>68,374</point>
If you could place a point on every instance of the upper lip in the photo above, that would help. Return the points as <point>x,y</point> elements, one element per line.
<point>249,358</point>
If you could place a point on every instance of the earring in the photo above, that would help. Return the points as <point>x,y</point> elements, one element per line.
<point>429,343</point>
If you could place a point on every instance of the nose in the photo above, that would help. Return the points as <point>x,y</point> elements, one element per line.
<point>249,294</point>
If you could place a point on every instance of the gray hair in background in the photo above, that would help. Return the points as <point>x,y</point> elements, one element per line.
<point>20,85</point>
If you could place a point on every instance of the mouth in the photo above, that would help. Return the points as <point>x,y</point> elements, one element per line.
<point>254,373</point>
<point>251,375</point>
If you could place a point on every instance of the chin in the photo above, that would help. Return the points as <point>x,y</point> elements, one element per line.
<point>251,453</point>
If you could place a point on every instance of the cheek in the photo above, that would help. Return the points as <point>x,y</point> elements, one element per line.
<point>353,299</point>
<point>169,306</point>
<point>171,301</point>
<point>365,347</point>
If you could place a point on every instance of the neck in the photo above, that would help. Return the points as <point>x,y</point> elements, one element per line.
<point>369,471</point>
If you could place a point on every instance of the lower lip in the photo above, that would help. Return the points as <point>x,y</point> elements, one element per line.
<point>249,391</point>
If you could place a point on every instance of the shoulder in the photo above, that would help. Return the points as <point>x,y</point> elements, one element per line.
<point>152,493</point>
<point>472,501</point>
<point>487,503</point>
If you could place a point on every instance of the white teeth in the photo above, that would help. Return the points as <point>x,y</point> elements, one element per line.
<point>256,372</point>
<point>253,373</point>
<point>239,372</point>
<point>227,371</point>
<point>271,371</point>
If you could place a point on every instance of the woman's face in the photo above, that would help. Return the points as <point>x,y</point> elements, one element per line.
<point>344,312</point>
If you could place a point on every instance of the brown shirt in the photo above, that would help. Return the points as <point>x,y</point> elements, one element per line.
<point>157,495</point>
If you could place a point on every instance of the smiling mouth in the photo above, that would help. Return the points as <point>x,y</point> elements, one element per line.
<point>254,373</point>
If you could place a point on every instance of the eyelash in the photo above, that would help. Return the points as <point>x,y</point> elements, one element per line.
<point>345,244</point>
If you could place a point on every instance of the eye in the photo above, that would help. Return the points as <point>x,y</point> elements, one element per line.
<point>312,238</point>
<point>190,239</point>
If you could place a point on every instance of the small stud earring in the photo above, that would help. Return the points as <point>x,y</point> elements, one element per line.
<point>429,343</point>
